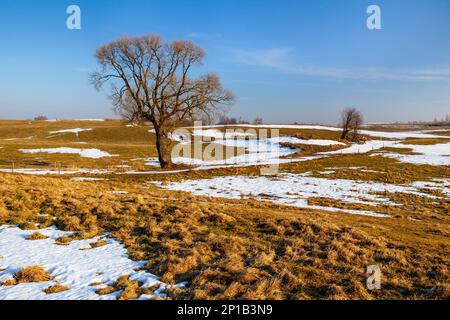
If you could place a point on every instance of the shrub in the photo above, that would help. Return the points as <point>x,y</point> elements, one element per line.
<point>40,118</point>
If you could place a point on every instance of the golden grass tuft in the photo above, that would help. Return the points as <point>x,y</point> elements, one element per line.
<point>129,290</point>
<point>69,223</point>
<point>3,212</point>
<point>56,288</point>
<point>98,244</point>
<point>105,291</point>
<point>64,240</point>
<point>37,236</point>
<point>28,226</point>
<point>32,274</point>
<point>8,283</point>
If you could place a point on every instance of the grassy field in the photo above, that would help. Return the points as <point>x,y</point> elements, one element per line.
<point>226,248</point>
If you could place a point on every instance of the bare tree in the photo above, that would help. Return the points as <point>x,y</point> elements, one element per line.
<point>351,121</point>
<point>150,81</point>
<point>258,121</point>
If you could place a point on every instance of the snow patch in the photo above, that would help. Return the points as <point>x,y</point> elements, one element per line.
<point>68,265</point>
<point>152,162</point>
<point>399,135</point>
<point>295,190</point>
<point>279,126</point>
<point>316,142</point>
<point>435,155</point>
<point>212,133</point>
<point>76,131</point>
<point>14,139</point>
<point>84,153</point>
<point>119,192</point>
<point>389,135</point>
<point>86,179</point>
<point>363,148</point>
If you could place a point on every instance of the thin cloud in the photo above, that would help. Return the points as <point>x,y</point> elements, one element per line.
<point>271,58</point>
<point>281,59</point>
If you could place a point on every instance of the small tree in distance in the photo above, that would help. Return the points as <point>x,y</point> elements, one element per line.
<point>150,81</point>
<point>258,121</point>
<point>40,118</point>
<point>351,121</point>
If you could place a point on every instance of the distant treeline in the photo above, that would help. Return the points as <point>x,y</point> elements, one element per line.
<point>223,120</point>
<point>444,121</point>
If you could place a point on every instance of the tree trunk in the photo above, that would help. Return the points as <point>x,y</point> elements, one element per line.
<point>344,134</point>
<point>163,147</point>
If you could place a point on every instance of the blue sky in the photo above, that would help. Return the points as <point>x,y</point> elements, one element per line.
<point>286,61</point>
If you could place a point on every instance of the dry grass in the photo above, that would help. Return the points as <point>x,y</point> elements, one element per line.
<point>64,240</point>
<point>424,142</point>
<point>32,274</point>
<point>111,136</point>
<point>228,249</point>
<point>8,283</point>
<point>387,170</point>
<point>98,244</point>
<point>397,150</point>
<point>37,236</point>
<point>307,150</point>
<point>299,133</point>
<point>128,144</point>
<point>129,290</point>
<point>28,226</point>
<point>233,249</point>
<point>106,290</point>
<point>56,288</point>
<point>443,133</point>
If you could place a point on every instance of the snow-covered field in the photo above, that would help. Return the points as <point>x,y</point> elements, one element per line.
<point>436,155</point>
<point>75,265</point>
<point>388,135</point>
<point>296,189</point>
<point>269,150</point>
<point>257,151</point>
<point>212,133</point>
